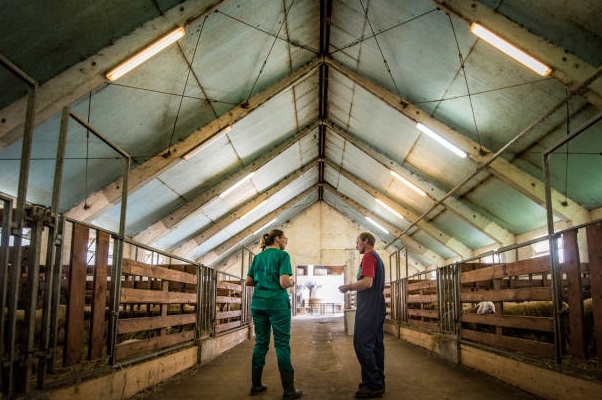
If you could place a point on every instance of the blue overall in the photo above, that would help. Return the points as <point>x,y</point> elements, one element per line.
<point>270,307</point>
<point>368,339</point>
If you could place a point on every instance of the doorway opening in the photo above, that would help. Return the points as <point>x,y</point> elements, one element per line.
<point>316,292</point>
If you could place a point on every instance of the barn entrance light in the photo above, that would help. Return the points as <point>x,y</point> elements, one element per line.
<point>145,54</point>
<point>237,184</point>
<point>511,50</point>
<point>408,183</point>
<point>438,138</point>
<point>252,210</point>
<point>391,210</point>
<point>376,225</point>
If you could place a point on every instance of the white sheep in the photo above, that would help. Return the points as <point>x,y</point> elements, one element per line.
<point>485,307</point>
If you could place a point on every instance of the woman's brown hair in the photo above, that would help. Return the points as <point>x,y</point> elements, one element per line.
<point>268,238</point>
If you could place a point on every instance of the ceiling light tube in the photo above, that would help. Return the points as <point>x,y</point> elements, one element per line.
<point>408,183</point>
<point>440,139</point>
<point>376,225</point>
<point>196,150</point>
<point>382,203</point>
<point>145,54</point>
<point>265,226</point>
<point>253,209</point>
<point>237,184</point>
<point>511,50</point>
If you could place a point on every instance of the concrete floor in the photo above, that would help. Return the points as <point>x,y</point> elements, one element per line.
<point>326,369</point>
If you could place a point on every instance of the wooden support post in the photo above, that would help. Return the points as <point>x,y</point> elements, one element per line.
<point>77,293</point>
<point>99,295</point>
<point>594,247</point>
<point>572,269</point>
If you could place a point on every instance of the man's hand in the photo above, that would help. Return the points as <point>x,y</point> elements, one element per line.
<point>343,288</point>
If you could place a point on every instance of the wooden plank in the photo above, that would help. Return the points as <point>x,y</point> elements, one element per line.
<point>594,251</point>
<point>519,294</point>
<point>126,350</point>
<point>228,314</point>
<point>125,382</point>
<point>227,300</point>
<point>572,269</point>
<point>129,295</point>
<point>422,298</point>
<point>541,381</point>
<point>430,326</point>
<point>429,284</point>
<point>229,285</point>
<point>131,325</point>
<point>77,291</point>
<point>99,295</point>
<point>530,347</point>
<point>423,313</point>
<point>133,267</point>
<point>225,327</point>
<point>536,265</point>
<point>511,321</point>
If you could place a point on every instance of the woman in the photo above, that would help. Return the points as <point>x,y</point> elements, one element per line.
<point>270,274</point>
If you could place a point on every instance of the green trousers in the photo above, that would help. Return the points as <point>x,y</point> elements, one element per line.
<point>278,321</point>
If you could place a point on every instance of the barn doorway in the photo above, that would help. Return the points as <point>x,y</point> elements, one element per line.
<point>316,293</point>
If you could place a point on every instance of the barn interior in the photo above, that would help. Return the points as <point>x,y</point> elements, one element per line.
<point>132,205</point>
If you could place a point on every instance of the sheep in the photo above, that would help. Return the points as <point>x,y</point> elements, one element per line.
<point>485,307</point>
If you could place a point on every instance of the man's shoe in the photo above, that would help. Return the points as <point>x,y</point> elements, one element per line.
<point>365,393</point>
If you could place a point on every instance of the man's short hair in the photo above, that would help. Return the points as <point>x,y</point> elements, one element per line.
<point>367,237</point>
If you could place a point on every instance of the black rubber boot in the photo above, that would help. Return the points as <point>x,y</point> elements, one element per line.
<point>288,384</point>
<point>257,387</point>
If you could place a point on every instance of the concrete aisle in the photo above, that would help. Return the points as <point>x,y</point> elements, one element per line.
<point>326,369</point>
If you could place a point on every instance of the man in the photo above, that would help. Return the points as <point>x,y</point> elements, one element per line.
<point>369,318</point>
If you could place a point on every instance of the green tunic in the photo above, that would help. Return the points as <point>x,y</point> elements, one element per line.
<point>266,269</point>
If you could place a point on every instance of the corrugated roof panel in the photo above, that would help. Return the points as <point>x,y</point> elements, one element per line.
<point>271,204</point>
<point>266,126</point>
<point>185,230</point>
<point>458,228</point>
<point>506,98</point>
<point>576,28</point>
<point>189,177</point>
<point>252,240</point>
<point>430,243</point>
<point>499,201</point>
<point>156,200</point>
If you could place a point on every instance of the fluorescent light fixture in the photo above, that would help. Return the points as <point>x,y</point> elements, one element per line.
<point>510,49</point>
<point>440,139</point>
<point>408,183</point>
<point>376,225</point>
<point>382,203</point>
<point>237,184</point>
<point>265,226</point>
<point>253,209</point>
<point>196,150</point>
<point>145,54</point>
